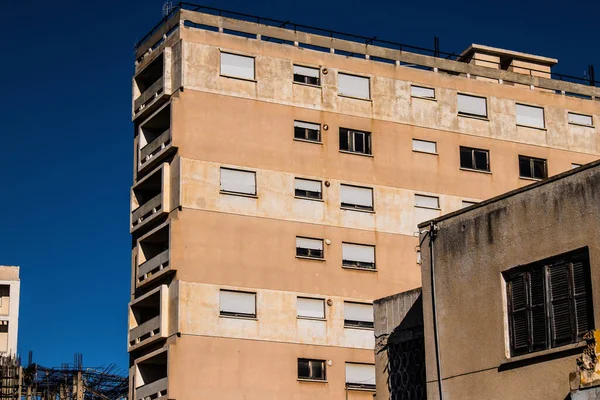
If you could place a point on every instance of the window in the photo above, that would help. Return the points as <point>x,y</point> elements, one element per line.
<point>358,256</point>
<point>423,92</point>
<point>307,131</point>
<point>354,86</point>
<point>424,146</point>
<point>575,166</point>
<point>466,203</point>
<point>237,304</point>
<point>472,105</point>
<point>237,66</point>
<point>427,201</point>
<point>358,315</point>
<point>530,116</point>
<point>549,302</point>
<point>313,370</point>
<point>357,198</point>
<point>426,208</point>
<point>477,159</point>
<point>307,188</point>
<point>360,376</point>
<point>310,308</point>
<point>530,167</point>
<point>307,75</point>
<point>580,119</point>
<point>306,247</point>
<point>236,181</point>
<point>355,141</point>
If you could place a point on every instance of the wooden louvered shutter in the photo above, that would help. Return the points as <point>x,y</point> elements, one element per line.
<point>519,321</point>
<point>537,298</point>
<point>581,298</point>
<point>560,302</point>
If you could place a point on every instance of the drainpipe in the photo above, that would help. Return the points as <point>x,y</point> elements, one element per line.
<point>432,235</point>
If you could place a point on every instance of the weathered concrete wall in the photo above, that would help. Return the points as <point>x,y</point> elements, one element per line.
<point>472,250</point>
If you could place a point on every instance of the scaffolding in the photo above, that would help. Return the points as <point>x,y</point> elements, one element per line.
<point>67,382</point>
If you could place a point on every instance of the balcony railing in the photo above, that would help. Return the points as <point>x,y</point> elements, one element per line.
<point>145,331</point>
<point>154,390</point>
<point>152,267</point>
<point>155,90</point>
<point>146,210</point>
<point>148,152</point>
<point>152,85</point>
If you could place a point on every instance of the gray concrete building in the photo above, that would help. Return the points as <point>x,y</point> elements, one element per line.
<point>509,301</point>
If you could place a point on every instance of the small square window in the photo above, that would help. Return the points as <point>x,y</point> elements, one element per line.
<point>355,141</point>
<point>237,304</point>
<point>424,146</point>
<point>422,92</point>
<point>354,86</point>
<point>313,370</point>
<point>358,256</point>
<point>236,181</point>
<point>530,116</point>
<point>308,189</point>
<point>360,376</point>
<point>476,159</point>
<point>531,167</point>
<point>358,315</point>
<point>307,75</point>
<point>310,308</point>
<point>310,248</point>
<point>472,105</point>
<point>307,131</point>
<point>237,66</point>
<point>356,197</point>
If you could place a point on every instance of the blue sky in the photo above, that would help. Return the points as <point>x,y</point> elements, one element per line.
<point>66,154</point>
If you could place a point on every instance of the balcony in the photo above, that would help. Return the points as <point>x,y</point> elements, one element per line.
<point>148,316</point>
<point>152,85</point>
<point>150,380</point>
<point>154,142</point>
<point>150,197</point>
<point>152,259</point>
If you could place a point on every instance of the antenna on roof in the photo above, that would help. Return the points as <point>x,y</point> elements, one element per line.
<point>167,8</point>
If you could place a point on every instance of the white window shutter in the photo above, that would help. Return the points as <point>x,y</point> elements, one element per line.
<point>472,105</point>
<point>424,146</point>
<point>237,66</point>
<point>580,119</point>
<point>358,252</point>
<point>419,91</point>
<point>238,181</point>
<point>307,125</point>
<point>530,116</point>
<point>306,71</point>
<point>354,86</point>
<point>360,374</point>
<point>356,195</point>
<point>358,312</point>
<point>238,302</point>
<point>306,243</point>
<point>427,201</point>
<point>311,308</point>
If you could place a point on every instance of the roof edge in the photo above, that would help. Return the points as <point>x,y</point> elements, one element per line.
<point>503,52</point>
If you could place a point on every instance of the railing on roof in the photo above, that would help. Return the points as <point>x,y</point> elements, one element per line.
<point>374,41</point>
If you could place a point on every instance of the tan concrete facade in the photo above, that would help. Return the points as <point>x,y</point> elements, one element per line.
<point>191,240</point>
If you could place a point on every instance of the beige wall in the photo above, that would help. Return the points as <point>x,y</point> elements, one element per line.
<point>545,221</point>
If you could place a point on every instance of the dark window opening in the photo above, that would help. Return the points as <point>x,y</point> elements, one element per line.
<point>358,264</point>
<point>477,159</point>
<point>549,303</point>
<point>309,80</point>
<point>311,369</point>
<point>355,141</point>
<point>313,135</point>
<point>308,193</point>
<point>530,167</point>
<point>349,323</point>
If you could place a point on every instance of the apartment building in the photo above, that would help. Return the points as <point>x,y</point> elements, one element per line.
<point>509,307</point>
<point>279,179</point>
<point>9,308</point>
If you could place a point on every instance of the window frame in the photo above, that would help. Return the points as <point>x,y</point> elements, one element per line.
<point>422,97</point>
<point>350,139</point>
<point>591,117</point>
<point>243,194</point>
<point>471,115</point>
<point>299,196</point>
<point>366,325</point>
<point>318,69</point>
<point>532,160</point>
<point>309,378</point>
<point>253,79</point>
<point>428,196</point>
<point>357,264</point>
<point>356,385</point>
<point>229,314</point>
<point>368,78</point>
<point>308,256</point>
<point>543,127</point>
<point>357,207</point>
<point>413,140</point>
<point>473,166</point>
<point>306,131</point>
<point>323,318</point>
<point>545,266</point>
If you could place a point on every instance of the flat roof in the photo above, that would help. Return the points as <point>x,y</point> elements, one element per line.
<point>552,179</point>
<point>503,52</point>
